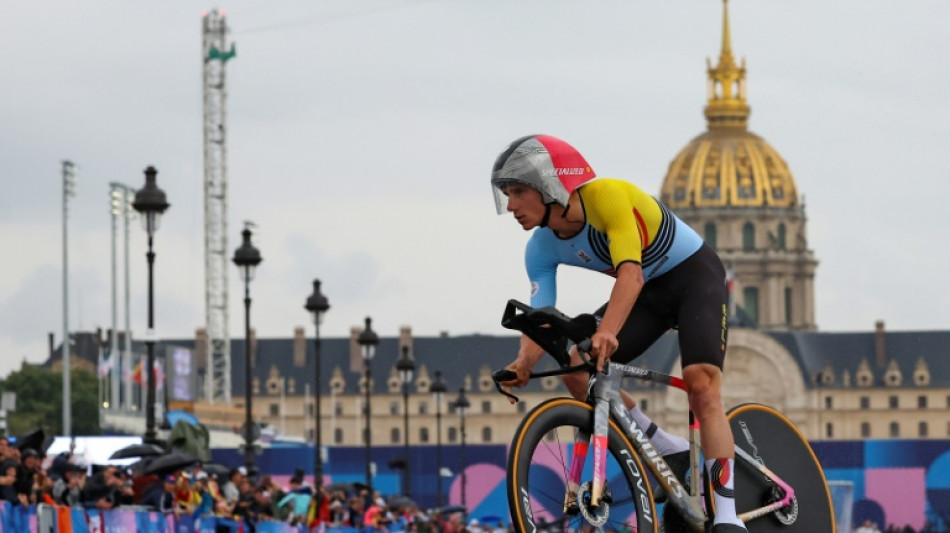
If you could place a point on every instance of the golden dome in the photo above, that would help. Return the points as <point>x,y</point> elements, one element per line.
<point>728,165</point>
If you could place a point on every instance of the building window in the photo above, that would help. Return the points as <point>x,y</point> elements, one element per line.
<point>338,409</point>
<point>710,234</point>
<point>892,402</point>
<point>453,434</point>
<point>748,237</point>
<point>829,430</point>
<point>486,407</point>
<point>522,407</point>
<point>274,409</point>
<point>394,435</point>
<point>750,297</point>
<point>394,408</point>
<point>922,429</point>
<point>828,402</point>
<point>551,435</point>
<point>486,434</point>
<point>338,436</point>
<point>423,408</point>
<point>865,429</point>
<point>865,402</point>
<point>922,402</point>
<point>788,305</point>
<point>644,404</point>
<point>895,429</point>
<point>310,435</point>
<point>309,408</point>
<point>452,408</point>
<point>780,240</point>
<point>423,434</point>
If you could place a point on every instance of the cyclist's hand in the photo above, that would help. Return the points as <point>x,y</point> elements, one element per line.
<point>603,345</point>
<point>523,370</point>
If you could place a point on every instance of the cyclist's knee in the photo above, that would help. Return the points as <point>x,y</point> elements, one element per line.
<point>702,387</point>
<point>576,384</point>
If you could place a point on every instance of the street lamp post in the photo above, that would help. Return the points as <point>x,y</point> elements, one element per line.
<point>150,202</point>
<point>406,368</point>
<point>368,341</point>
<point>247,257</point>
<point>317,304</point>
<point>462,404</point>
<point>438,389</point>
<point>69,184</point>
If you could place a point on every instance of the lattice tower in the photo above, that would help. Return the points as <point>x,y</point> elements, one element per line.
<point>216,51</point>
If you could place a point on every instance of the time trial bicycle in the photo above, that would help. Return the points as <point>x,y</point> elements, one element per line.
<point>553,486</point>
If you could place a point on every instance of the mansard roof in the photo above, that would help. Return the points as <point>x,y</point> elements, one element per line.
<point>464,356</point>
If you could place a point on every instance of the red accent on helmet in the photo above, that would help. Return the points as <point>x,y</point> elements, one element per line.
<point>572,169</point>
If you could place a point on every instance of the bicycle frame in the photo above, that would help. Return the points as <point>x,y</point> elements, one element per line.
<point>604,393</point>
<point>552,330</point>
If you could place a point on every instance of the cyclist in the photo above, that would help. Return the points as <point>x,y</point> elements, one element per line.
<point>666,277</point>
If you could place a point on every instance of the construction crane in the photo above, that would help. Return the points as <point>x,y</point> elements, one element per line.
<point>216,51</point>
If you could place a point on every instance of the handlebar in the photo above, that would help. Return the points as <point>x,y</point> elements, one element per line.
<point>551,330</point>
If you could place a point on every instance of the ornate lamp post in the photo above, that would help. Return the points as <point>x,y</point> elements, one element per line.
<point>438,389</point>
<point>150,202</point>
<point>462,404</point>
<point>406,368</point>
<point>368,341</point>
<point>247,257</point>
<point>317,304</point>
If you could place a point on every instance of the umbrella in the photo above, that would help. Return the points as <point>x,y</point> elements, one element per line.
<point>137,450</point>
<point>167,464</point>
<point>174,416</point>
<point>402,501</point>
<point>216,469</point>
<point>33,439</point>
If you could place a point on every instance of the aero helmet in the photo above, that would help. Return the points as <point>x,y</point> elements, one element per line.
<point>545,163</point>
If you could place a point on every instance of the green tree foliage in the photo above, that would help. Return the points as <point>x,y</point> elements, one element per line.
<point>39,401</point>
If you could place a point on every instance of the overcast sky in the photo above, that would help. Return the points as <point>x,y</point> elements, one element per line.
<point>362,132</point>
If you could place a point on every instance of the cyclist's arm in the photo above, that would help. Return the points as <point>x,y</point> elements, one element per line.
<point>624,294</point>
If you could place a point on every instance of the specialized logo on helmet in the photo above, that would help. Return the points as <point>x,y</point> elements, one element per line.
<point>554,172</point>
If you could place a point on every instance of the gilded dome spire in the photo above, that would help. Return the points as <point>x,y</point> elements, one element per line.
<point>728,165</point>
<point>726,106</point>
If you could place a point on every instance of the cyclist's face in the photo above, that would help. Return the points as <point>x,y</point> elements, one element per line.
<point>525,204</point>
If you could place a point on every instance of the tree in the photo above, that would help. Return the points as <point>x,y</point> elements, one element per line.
<point>39,403</point>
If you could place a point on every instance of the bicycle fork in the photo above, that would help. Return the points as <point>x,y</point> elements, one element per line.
<point>597,392</point>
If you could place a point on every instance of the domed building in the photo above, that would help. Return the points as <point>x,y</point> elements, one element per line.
<point>735,189</point>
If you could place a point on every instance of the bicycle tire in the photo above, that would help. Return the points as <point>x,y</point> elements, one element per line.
<point>536,492</point>
<point>768,435</point>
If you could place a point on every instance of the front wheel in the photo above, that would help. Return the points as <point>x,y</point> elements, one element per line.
<point>538,463</point>
<point>773,440</point>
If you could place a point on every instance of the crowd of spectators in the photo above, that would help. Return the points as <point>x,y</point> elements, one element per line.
<point>203,492</point>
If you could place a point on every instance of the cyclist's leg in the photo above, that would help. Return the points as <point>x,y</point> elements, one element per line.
<point>698,287</point>
<point>648,320</point>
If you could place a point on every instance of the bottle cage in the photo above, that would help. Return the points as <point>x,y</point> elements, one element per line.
<point>550,328</point>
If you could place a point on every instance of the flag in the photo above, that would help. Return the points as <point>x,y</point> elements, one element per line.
<point>159,375</point>
<point>137,373</point>
<point>105,365</point>
<point>318,513</point>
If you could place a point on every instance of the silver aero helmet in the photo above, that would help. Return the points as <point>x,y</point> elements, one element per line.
<point>542,162</point>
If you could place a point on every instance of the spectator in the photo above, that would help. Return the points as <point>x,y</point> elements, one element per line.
<point>161,497</point>
<point>205,499</point>
<point>260,508</point>
<point>23,486</point>
<point>297,499</point>
<point>230,490</point>
<point>68,489</point>
<point>9,463</point>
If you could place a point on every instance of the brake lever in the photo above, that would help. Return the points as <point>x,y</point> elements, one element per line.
<point>504,375</point>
